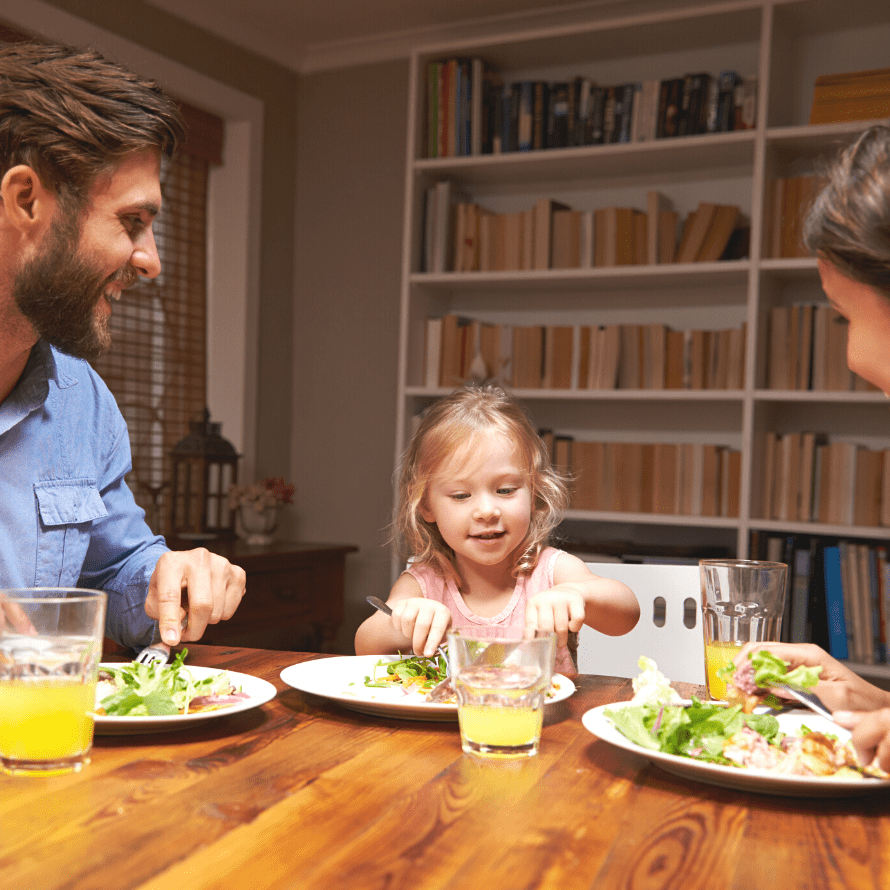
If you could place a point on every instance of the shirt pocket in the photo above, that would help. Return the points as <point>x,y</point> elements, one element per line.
<point>66,509</point>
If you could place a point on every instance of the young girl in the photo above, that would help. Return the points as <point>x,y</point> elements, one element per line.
<point>478,498</point>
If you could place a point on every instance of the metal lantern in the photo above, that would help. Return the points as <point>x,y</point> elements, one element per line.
<point>205,466</point>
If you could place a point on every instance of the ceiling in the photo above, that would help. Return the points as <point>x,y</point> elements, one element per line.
<point>306,35</point>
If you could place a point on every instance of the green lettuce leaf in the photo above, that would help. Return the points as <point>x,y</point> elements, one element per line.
<point>698,730</point>
<point>158,690</point>
<point>772,671</point>
<point>769,671</point>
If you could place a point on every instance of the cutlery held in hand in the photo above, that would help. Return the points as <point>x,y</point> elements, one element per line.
<point>381,606</point>
<point>157,652</point>
<point>807,699</point>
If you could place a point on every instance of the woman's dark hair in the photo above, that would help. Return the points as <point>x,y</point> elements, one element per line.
<point>71,115</point>
<point>849,223</point>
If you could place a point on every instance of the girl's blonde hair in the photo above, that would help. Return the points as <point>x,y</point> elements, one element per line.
<point>450,426</point>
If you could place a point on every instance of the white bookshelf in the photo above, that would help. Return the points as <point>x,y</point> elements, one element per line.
<point>785,45</point>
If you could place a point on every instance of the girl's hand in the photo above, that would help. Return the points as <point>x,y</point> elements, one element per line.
<point>424,622</point>
<point>560,609</point>
<point>838,686</point>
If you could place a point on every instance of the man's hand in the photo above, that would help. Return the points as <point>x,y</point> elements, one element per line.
<point>16,617</point>
<point>204,585</point>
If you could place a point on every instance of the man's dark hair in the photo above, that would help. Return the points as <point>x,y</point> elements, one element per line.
<point>72,115</point>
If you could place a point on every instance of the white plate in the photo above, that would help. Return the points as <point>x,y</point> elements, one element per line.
<point>342,679</point>
<point>759,781</point>
<point>260,691</point>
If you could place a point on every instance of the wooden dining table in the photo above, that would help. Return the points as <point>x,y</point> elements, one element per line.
<point>301,793</point>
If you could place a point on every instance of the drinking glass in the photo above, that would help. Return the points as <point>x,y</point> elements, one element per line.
<point>742,601</point>
<point>501,685</point>
<point>50,648</point>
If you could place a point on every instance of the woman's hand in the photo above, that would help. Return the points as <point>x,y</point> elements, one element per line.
<point>871,735</point>
<point>855,703</point>
<point>839,687</point>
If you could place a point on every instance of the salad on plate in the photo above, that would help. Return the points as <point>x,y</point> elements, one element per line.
<point>726,735</point>
<point>162,690</point>
<point>418,673</point>
<point>414,673</point>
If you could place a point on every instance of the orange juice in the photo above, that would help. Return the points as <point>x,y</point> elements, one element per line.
<point>501,727</point>
<point>717,655</point>
<point>45,720</point>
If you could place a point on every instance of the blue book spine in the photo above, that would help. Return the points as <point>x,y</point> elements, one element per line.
<point>834,603</point>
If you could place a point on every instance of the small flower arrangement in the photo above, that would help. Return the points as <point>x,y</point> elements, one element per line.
<point>268,493</point>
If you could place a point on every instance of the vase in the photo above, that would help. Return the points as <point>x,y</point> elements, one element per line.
<point>258,527</point>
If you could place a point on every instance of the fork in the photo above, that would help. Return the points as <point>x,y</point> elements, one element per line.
<point>157,652</point>
<point>808,699</point>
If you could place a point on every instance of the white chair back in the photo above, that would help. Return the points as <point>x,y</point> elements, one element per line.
<point>669,630</point>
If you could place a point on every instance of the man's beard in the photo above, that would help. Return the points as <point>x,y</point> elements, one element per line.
<point>58,292</point>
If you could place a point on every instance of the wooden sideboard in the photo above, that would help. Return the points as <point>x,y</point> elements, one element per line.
<point>294,596</point>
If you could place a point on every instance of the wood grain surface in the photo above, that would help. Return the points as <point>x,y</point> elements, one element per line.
<point>301,793</point>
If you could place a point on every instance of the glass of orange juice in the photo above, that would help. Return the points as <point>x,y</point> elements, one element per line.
<point>500,685</point>
<point>742,601</point>
<point>50,648</point>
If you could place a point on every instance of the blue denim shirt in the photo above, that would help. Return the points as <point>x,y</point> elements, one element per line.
<point>67,517</point>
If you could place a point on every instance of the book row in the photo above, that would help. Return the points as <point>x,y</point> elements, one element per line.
<point>684,479</point>
<point>471,111</point>
<point>463,236</point>
<point>468,237</point>
<point>806,478</point>
<point>853,96</point>
<point>837,595</point>
<point>787,203</point>
<point>629,356</point>
<point>808,350</point>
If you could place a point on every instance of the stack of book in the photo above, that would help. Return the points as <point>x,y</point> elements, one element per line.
<point>459,99</point>
<point>596,357</point>
<point>706,233</point>
<point>808,350</point>
<point>463,236</point>
<point>838,593</point>
<point>806,478</point>
<point>787,204</point>
<point>686,479</point>
<point>856,96</point>
<point>470,111</point>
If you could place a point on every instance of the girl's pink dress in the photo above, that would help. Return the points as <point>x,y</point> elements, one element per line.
<point>434,587</point>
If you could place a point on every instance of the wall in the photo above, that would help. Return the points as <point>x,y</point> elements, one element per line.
<point>267,396</point>
<point>350,190</point>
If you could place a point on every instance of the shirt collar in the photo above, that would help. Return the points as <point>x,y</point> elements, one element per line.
<point>41,368</point>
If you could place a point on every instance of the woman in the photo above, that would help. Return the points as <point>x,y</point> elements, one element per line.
<point>848,230</point>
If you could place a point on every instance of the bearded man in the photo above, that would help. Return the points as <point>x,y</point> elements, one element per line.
<point>81,140</point>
